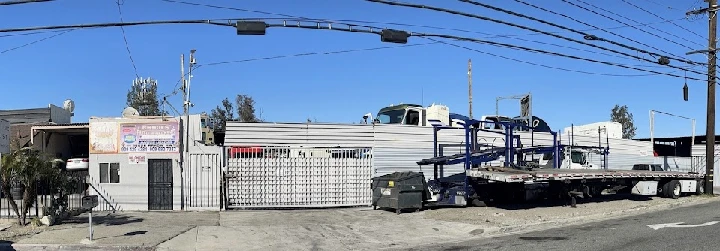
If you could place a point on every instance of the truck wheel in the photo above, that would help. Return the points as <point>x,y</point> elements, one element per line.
<point>700,190</point>
<point>673,189</point>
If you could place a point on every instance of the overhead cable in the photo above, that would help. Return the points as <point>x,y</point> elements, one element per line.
<point>590,25</point>
<point>127,45</point>
<point>550,53</point>
<point>662,18</point>
<point>621,22</point>
<point>523,27</point>
<point>15,2</point>
<point>34,42</point>
<point>353,29</point>
<point>586,35</point>
<point>543,65</point>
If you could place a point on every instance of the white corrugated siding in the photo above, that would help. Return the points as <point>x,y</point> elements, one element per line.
<point>399,147</point>
<point>308,135</point>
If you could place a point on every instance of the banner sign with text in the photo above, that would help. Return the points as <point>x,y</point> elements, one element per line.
<point>161,137</point>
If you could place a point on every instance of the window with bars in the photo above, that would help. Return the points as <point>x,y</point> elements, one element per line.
<point>109,172</point>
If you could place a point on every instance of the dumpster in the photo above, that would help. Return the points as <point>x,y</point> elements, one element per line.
<point>399,191</point>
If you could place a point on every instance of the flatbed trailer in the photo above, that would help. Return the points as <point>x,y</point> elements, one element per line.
<point>483,184</point>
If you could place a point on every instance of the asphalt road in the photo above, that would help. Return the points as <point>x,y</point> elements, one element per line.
<point>630,233</point>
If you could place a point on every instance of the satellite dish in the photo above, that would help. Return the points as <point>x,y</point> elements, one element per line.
<point>130,112</point>
<point>69,105</point>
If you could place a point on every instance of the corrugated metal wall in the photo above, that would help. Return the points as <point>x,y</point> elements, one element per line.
<point>399,147</point>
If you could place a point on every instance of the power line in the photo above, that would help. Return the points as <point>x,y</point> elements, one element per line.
<point>127,46</point>
<point>544,65</point>
<point>33,33</point>
<point>662,18</point>
<point>319,53</point>
<point>613,19</point>
<point>103,25</point>
<point>568,29</point>
<point>23,2</point>
<point>392,23</point>
<point>522,27</point>
<point>549,53</point>
<point>176,89</point>
<point>590,25</point>
<point>512,36</point>
<point>330,27</point>
<point>36,41</point>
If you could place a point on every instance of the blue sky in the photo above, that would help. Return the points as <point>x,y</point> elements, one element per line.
<point>91,66</point>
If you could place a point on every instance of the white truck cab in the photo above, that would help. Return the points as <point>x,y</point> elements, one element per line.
<point>412,114</point>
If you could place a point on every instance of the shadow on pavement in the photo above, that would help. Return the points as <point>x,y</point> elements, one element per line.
<point>107,220</point>
<point>561,203</point>
<point>6,245</point>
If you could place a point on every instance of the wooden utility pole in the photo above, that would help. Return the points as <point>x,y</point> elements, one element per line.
<point>712,70</point>
<point>470,88</point>
<point>712,76</point>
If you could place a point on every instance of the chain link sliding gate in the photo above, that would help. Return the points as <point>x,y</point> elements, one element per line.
<point>297,177</point>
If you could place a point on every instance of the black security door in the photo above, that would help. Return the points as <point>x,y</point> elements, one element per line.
<point>160,184</point>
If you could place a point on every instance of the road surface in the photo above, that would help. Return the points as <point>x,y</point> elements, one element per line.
<point>699,230</point>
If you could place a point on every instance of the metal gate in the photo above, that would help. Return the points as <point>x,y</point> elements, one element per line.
<point>202,180</point>
<point>160,184</point>
<point>297,177</point>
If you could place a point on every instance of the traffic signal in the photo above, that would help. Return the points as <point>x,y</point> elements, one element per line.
<point>394,36</point>
<point>685,92</point>
<point>251,27</point>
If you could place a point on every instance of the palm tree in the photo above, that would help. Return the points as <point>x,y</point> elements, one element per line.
<point>25,166</point>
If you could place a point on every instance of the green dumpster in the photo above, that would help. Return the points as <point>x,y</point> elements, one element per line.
<point>399,191</point>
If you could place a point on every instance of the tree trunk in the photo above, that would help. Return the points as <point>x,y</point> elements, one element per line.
<point>8,197</point>
<point>29,197</point>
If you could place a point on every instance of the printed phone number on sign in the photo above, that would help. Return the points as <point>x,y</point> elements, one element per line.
<point>168,147</point>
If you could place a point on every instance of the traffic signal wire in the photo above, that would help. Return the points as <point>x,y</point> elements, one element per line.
<point>350,28</point>
<point>537,30</point>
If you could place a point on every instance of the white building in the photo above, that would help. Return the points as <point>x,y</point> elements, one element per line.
<point>605,130</point>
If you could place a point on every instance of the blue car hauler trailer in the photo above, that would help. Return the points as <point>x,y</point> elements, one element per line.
<point>515,180</point>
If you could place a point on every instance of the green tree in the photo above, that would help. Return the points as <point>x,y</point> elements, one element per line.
<point>244,107</point>
<point>24,168</point>
<point>143,97</point>
<point>622,115</point>
<point>223,113</point>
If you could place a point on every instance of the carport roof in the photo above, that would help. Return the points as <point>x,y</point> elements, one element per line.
<point>73,127</point>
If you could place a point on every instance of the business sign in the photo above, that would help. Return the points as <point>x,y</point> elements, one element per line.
<point>137,158</point>
<point>4,136</point>
<point>103,137</point>
<point>162,137</point>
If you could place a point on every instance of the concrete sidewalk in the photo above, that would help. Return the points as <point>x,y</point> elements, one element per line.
<point>120,231</point>
<point>322,229</point>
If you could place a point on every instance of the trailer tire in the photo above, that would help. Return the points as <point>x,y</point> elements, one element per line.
<point>700,190</point>
<point>672,189</point>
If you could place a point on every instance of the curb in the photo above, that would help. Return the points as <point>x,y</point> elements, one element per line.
<point>518,229</point>
<point>80,247</point>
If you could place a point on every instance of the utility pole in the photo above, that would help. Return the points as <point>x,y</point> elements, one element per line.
<point>470,88</point>
<point>185,112</point>
<point>182,82</point>
<point>712,72</point>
